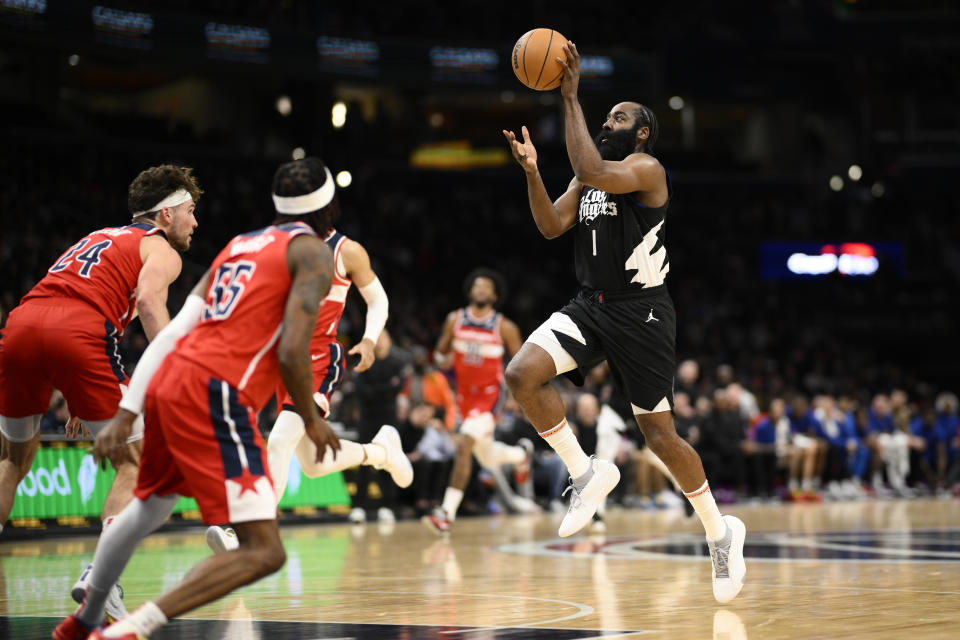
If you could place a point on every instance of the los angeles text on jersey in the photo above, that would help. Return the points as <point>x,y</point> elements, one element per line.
<point>594,203</point>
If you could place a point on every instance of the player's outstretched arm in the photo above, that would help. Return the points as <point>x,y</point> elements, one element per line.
<point>310,262</point>
<point>356,262</point>
<point>584,156</point>
<point>637,172</point>
<point>552,218</point>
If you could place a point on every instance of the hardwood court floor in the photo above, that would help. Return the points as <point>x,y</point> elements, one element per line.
<point>878,569</point>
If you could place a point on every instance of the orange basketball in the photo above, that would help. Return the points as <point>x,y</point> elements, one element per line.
<point>535,59</point>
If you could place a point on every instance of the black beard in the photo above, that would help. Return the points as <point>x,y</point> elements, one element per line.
<point>618,144</point>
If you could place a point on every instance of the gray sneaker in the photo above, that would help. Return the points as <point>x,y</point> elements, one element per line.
<point>585,502</point>
<point>728,569</point>
<point>113,609</point>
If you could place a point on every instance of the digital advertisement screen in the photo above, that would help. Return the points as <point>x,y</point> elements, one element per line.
<point>791,260</point>
<point>65,483</point>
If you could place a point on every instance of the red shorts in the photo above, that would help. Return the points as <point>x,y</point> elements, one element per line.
<point>328,370</point>
<point>473,401</point>
<point>63,344</point>
<point>201,440</point>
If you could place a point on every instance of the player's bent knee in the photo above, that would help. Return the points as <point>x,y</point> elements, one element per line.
<point>523,375</point>
<point>658,438</point>
<point>655,440</point>
<point>274,557</point>
<point>514,375</point>
<point>264,559</point>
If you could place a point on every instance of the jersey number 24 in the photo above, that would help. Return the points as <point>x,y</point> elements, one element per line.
<point>86,260</point>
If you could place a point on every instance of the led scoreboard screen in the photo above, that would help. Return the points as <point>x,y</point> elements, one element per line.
<point>835,259</point>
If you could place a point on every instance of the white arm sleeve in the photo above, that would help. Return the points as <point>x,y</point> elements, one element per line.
<point>377,308</point>
<point>162,344</point>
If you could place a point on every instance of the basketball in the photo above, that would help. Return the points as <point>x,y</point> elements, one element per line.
<point>535,59</point>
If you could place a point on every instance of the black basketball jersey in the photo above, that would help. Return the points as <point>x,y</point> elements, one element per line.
<point>619,243</point>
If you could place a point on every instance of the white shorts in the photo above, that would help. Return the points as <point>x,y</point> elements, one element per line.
<point>479,426</point>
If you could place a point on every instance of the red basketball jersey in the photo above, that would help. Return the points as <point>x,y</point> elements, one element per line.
<point>100,270</point>
<point>331,307</point>
<point>477,352</point>
<point>237,335</point>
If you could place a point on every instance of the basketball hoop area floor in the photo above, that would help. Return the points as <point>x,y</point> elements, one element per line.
<point>875,569</point>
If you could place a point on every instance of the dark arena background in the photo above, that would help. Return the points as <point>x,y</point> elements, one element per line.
<point>814,251</point>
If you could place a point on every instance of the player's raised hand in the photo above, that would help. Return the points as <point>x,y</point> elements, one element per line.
<point>571,70</point>
<point>523,152</point>
<point>322,435</point>
<point>111,443</point>
<point>365,349</point>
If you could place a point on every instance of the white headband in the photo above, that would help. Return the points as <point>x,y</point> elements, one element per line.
<point>177,197</point>
<point>297,205</point>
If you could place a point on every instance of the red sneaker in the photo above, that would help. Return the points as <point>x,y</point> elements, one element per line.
<point>438,522</point>
<point>71,628</point>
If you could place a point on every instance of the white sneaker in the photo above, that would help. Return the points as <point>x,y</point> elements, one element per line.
<point>728,568</point>
<point>113,609</point>
<point>583,504</point>
<point>357,515</point>
<point>397,464</point>
<point>221,539</point>
<point>385,515</point>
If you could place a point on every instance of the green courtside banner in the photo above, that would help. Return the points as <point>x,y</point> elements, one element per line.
<point>64,481</point>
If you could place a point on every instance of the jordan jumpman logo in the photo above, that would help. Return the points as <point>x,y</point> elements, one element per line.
<point>650,317</point>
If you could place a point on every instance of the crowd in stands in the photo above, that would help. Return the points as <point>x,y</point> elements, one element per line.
<point>755,448</point>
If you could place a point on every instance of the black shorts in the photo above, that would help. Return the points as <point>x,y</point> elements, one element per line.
<point>634,332</point>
